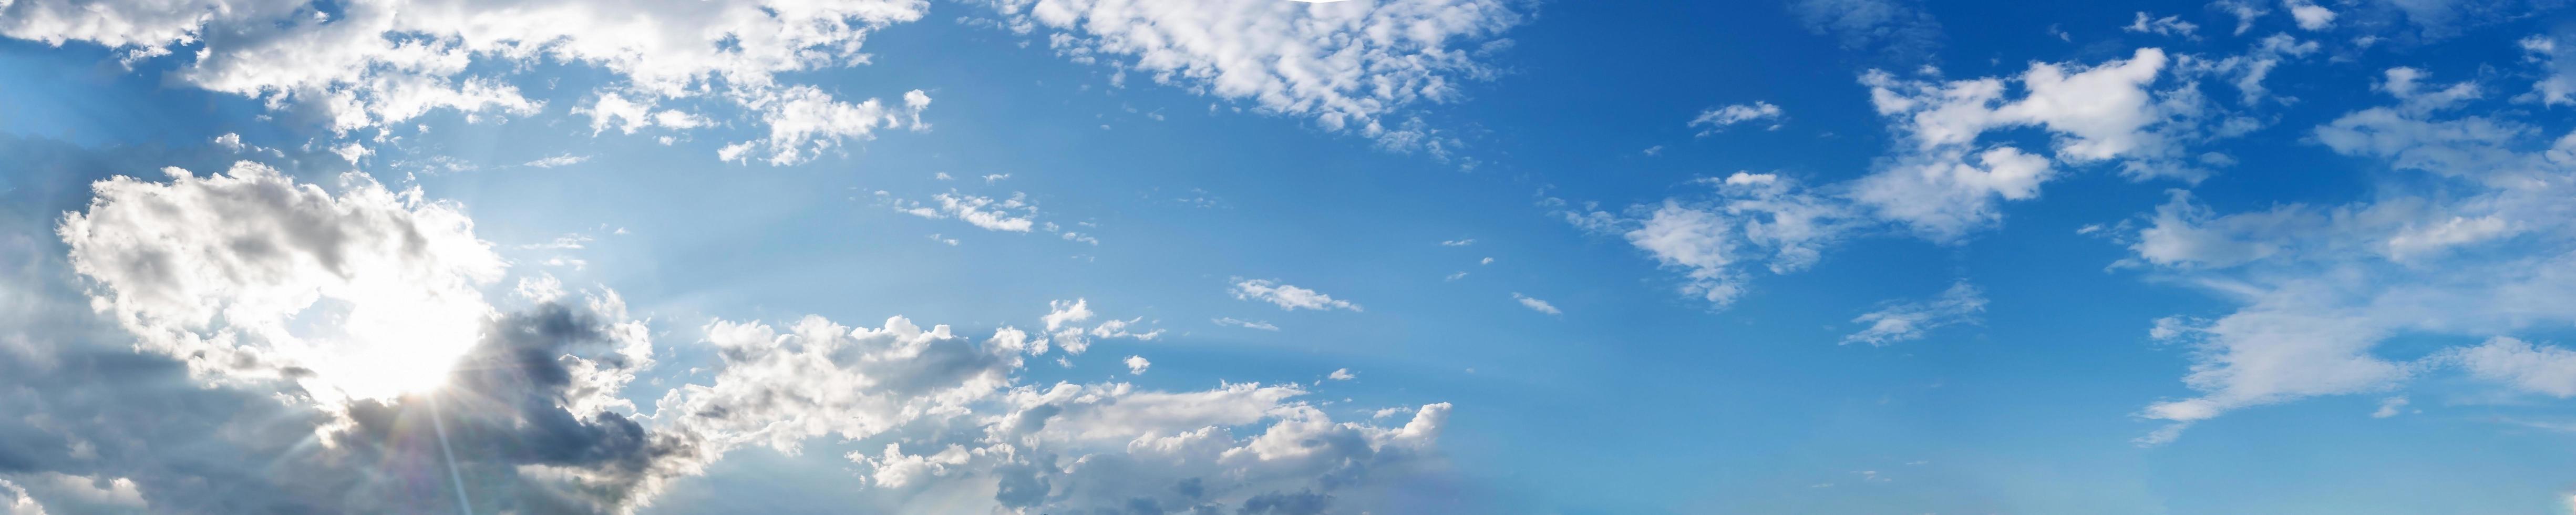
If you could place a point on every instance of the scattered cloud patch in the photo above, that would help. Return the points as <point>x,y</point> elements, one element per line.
<point>1535,304</point>
<point>1287,297</point>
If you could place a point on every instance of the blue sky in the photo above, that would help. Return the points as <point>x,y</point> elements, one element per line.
<point>1264,256</point>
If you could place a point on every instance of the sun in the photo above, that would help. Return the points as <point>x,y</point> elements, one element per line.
<point>381,343</point>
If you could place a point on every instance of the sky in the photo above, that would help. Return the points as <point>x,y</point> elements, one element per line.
<point>1281,257</point>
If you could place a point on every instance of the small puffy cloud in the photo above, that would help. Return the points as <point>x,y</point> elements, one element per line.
<point>1718,119</point>
<point>1535,304</point>
<point>1136,365</point>
<point>1897,322</point>
<point>1064,327</point>
<point>1749,220</point>
<point>1287,297</point>
<point>2309,15</point>
<point>2390,407</point>
<point>1341,374</point>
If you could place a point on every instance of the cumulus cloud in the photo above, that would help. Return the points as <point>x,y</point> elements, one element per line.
<point>1717,119</point>
<point>1342,374</point>
<point>1897,322</point>
<point>230,294</point>
<point>1064,327</point>
<point>377,64</point>
<point>534,408</point>
<point>1356,66</point>
<point>1136,365</point>
<point>1287,297</point>
<point>2105,112</point>
<point>2309,15</point>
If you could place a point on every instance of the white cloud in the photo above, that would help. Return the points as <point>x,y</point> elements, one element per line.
<point>804,122</point>
<point>1458,242</point>
<point>2309,15</point>
<point>1010,214</point>
<point>2166,26</point>
<point>1535,304</point>
<point>2549,370</point>
<point>1486,261</point>
<point>1943,186</point>
<point>1897,322</point>
<point>557,160</point>
<point>1348,65</point>
<point>1717,119</point>
<point>1455,276</point>
<point>1287,297</point>
<point>2557,84</point>
<point>1064,320</point>
<point>2252,67</point>
<point>628,116</point>
<point>1136,365</point>
<point>1940,181</point>
<point>72,493</point>
<point>997,178</point>
<point>2390,407</point>
<point>379,63</point>
<point>2320,287</point>
<point>938,411</point>
<point>1752,218</point>
<point>399,274</point>
<point>2246,11</point>
<point>1342,374</point>
<point>17,502</point>
<point>1246,324</point>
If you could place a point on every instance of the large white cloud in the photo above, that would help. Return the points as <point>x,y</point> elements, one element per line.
<point>2485,252</point>
<point>374,63</point>
<point>249,276</point>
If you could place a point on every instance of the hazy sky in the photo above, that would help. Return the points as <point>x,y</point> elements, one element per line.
<point>1278,257</point>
